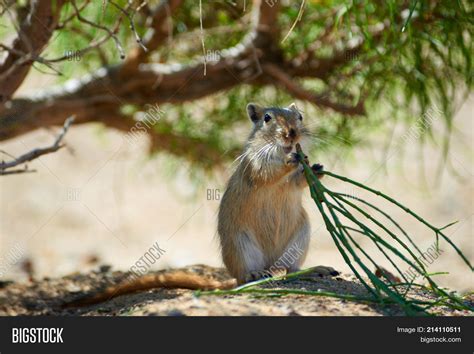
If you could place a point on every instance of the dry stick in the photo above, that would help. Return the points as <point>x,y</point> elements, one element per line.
<point>16,172</point>
<point>33,154</point>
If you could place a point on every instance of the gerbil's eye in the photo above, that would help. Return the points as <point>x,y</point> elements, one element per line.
<point>300,117</point>
<point>267,118</point>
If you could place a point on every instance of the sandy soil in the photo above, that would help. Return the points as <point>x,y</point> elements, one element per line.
<point>46,297</point>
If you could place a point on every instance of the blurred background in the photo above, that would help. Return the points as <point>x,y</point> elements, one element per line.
<point>386,88</point>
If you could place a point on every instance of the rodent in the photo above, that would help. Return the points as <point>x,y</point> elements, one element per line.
<point>261,216</point>
<point>261,220</point>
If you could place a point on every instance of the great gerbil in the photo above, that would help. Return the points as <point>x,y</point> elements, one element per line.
<point>262,225</point>
<point>263,228</point>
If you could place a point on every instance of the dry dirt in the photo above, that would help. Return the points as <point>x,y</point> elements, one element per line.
<point>46,296</point>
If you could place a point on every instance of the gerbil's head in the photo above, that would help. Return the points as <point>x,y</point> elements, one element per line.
<point>281,127</point>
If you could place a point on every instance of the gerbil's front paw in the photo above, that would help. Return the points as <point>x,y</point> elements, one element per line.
<point>292,160</point>
<point>257,275</point>
<point>317,169</point>
<point>295,159</point>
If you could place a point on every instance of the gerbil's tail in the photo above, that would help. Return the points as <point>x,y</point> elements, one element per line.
<point>173,280</point>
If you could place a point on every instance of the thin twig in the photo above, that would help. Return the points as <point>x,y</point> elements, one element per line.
<point>111,33</point>
<point>35,153</point>
<point>132,24</point>
<point>300,14</point>
<point>202,37</point>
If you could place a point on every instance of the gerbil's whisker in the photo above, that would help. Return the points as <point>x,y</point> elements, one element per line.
<point>325,141</point>
<point>255,156</point>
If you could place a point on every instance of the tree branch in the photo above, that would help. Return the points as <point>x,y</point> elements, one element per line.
<point>35,33</point>
<point>160,29</point>
<point>287,82</point>
<point>35,153</point>
<point>98,96</point>
<point>146,84</point>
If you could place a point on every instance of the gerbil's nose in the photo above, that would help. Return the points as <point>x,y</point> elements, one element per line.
<point>292,133</point>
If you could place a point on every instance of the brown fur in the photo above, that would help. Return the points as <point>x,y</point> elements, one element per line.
<point>262,203</point>
<point>151,281</point>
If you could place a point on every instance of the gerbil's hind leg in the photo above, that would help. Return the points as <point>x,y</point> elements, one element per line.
<point>252,259</point>
<point>295,253</point>
<point>266,273</point>
<point>323,271</point>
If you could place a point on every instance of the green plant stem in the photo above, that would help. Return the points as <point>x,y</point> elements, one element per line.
<point>404,208</point>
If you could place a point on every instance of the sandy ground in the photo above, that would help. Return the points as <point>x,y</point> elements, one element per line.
<point>48,296</point>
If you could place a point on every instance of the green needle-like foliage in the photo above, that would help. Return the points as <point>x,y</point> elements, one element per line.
<point>334,206</point>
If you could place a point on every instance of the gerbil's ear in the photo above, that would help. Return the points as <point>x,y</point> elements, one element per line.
<point>254,111</point>
<point>293,107</point>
